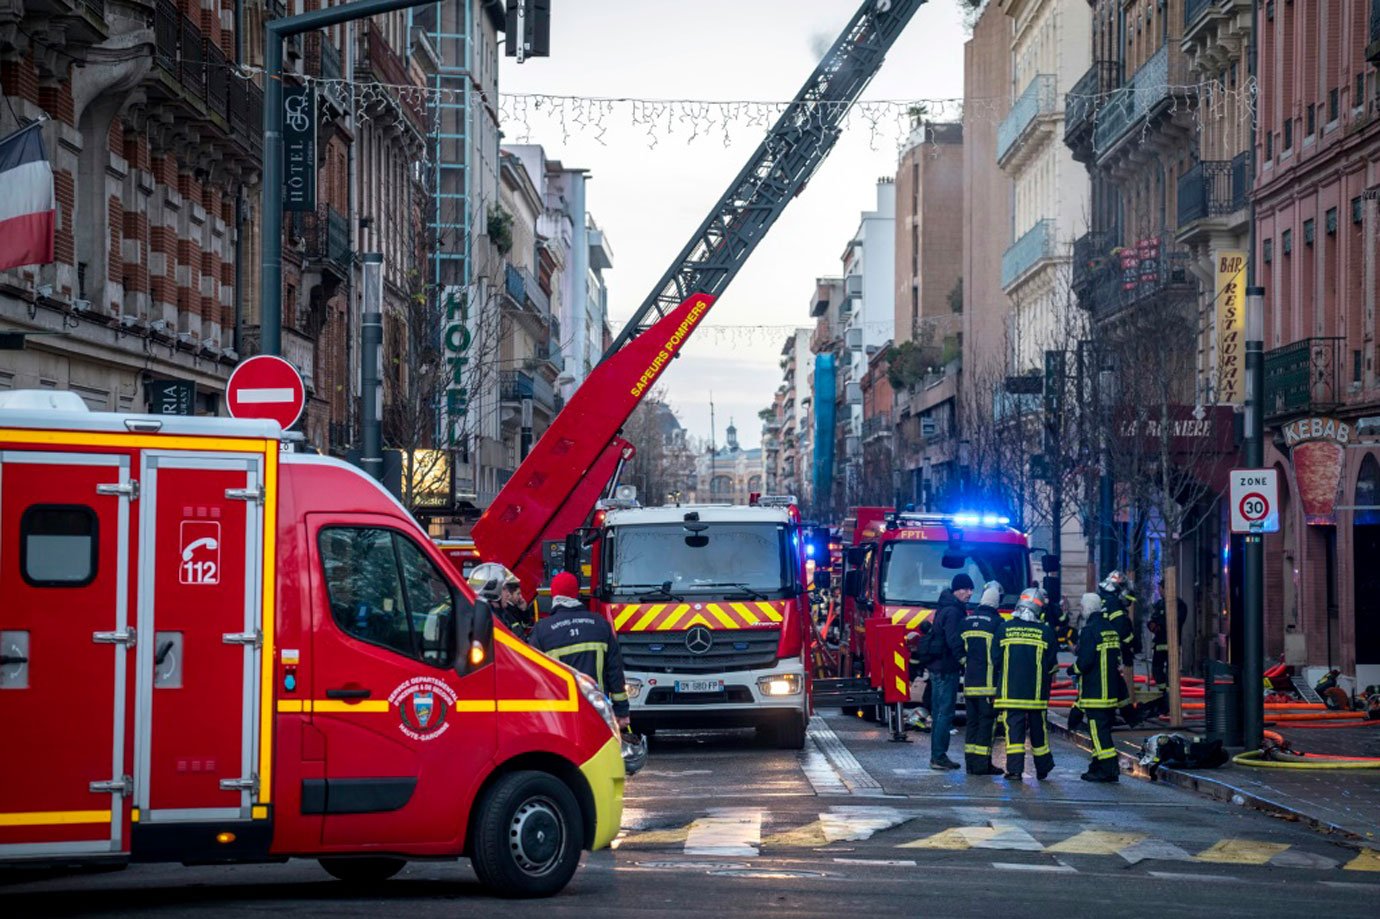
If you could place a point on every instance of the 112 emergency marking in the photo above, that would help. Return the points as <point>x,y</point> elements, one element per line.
<point>199,558</point>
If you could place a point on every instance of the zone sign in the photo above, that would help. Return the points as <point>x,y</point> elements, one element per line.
<point>1254,501</point>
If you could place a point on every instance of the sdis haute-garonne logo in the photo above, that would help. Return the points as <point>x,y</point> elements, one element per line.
<point>423,703</point>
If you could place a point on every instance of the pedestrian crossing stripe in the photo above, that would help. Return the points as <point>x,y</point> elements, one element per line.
<point>1096,842</point>
<point>1367,860</point>
<point>1241,852</point>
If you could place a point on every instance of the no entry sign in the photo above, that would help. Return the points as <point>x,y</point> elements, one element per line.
<point>266,387</point>
<point>1254,501</point>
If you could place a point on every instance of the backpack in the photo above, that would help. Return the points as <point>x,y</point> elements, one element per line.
<point>930,647</point>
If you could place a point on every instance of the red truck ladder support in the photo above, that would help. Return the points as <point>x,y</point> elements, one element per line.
<point>555,488</point>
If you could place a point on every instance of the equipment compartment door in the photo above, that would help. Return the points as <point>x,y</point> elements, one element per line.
<point>199,636</point>
<point>64,653</point>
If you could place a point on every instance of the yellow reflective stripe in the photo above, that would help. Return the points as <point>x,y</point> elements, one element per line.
<point>670,621</point>
<point>53,818</point>
<point>569,704</point>
<point>742,610</point>
<point>1040,751</point>
<point>899,659</point>
<point>286,706</point>
<point>337,706</point>
<point>974,748</point>
<point>902,686</point>
<point>625,614</point>
<point>598,647</point>
<point>698,619</point>
<point>258,812</point>
<point>648,616</point>
<point>917,619</point>
<point>619,696</point>
<point>897,616</point>
<point>724,619</point>
<point>771,612</point>
<point>268,617</point>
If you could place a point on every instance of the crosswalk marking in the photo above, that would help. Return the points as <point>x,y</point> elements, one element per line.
<point>728,831</point>
<point>1293,858</point>
<point>839,824</point>
<point>1096,842</point>
<point>1155,850</point>
<point>1367,860</point>
<point>1241,852</point>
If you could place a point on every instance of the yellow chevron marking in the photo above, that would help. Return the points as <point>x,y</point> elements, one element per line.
<point>698,619</point>
<point>915,622</point>
<point>625,614</point>
<point>1241,852</point>
<point>899,659</point>
<point>897,616</point>
<point>669,836</point>
<point>811,834</point>
<point>958,837</point>
<point>903,687</point>
<point>719,614</point>
<point>742,610</point>
<point>1096,842</point>
<point>769,611</point>
<point>670,621</point>
<point>652,612</point>
<point>1368,860</point>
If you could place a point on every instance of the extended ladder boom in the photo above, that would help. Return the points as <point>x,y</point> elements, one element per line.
<point>539,502</point>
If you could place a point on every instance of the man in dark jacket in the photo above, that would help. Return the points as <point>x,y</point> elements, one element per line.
<point>575,636</point>
<point>944,671</point>
<point>982,632</point>
<point>1101,690</point>
<point>1028,660</point>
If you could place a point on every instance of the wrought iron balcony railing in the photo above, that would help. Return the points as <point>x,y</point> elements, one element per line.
<point>193,58</point>
<point>1213,188</point>
<point>326,236</point>
<point>1085,100</point>
<point>1034,246</point>
<point>217,79</point>
<point>1144,95</point>
<point>1373,49</point>
<point>1303,377</point>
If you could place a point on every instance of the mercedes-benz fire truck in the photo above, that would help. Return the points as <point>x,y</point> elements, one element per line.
<point>712,613</point>
<point>213,651</point>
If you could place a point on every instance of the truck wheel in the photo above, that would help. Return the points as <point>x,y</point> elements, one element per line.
<point>362,870</point>
<point>790,733</point>
<point>527,835</point>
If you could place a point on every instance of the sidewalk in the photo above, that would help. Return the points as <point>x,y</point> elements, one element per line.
<point>1338,801</point>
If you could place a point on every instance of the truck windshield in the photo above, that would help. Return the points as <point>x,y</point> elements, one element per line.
<point>914,572</point>
<point>745,558</point>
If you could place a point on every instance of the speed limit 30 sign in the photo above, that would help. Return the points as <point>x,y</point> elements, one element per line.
<point>1254,501</point>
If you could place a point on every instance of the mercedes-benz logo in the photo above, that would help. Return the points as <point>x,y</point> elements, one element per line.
<point>699,640</point>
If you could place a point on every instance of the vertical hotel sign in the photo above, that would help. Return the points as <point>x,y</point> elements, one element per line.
<point>458,339</point>
<point>1231,327</point>
<point>299,148</point>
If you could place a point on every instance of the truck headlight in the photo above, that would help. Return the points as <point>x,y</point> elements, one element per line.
<point>595,697</point>
<point>634,687</point>
<point>785,684</point>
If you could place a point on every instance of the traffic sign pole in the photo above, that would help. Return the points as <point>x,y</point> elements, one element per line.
<point>1253,580</point>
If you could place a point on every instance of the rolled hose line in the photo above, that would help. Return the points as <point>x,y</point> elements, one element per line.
<point>1276,755</point>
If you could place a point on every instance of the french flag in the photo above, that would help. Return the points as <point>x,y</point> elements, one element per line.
<point>26,200</point>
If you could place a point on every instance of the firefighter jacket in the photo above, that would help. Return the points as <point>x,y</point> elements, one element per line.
<point>1098,665</point>
<point>982,631</point>
<point>1028,661</point>
<point>1160,629</point>
<point>1114,609</point>
<point>585,641</point>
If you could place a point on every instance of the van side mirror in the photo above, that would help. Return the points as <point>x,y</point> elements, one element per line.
<point>823,579</point>
<point>852,583</point>
<point>476,643</point>
<point>573,545</point>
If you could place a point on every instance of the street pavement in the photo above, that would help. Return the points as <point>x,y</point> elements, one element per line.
<point>719,824</point>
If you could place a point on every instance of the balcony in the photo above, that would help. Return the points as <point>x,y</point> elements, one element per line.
<point>378,62</point>
<point>217,79</point>
<point>878,425</point>
<point>1082,104</point>
<point>1028,123</point>
<point>1037,245</point>
<point>1147,95</point>
<point>333,92</point>
<point>1137,275</point>
<point>1213,196</point>
<point>1303,378</point>
<point>515,385</point>
<point>1090,253</point>
<point>1373,48</point>
<point>1216,30</point>
<point>325,236</point>
<point>514,285</point>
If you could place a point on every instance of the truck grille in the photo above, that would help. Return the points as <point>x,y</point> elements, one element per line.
<point>665,652</point>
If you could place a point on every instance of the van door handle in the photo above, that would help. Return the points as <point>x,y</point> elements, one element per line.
<point>348,694</point>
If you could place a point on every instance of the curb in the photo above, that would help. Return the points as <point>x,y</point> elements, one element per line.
<point>1211,787</point>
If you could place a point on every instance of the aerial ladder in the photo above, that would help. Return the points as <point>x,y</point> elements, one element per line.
<point>558,484</point>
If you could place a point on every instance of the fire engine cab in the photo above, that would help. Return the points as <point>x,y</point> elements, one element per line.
<point>710,605</point>
<point>217,651</point>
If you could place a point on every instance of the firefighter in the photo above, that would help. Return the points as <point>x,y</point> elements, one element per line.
<point>501,588</point>
<point>1029,657</point>
<point>1101,689</point>
<point>1115,591</point>
<point>982,631</point>
<point>575,636</point>
<point>1159,630</point>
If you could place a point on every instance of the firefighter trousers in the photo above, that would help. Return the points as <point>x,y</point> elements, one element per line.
<point>1104,764</point>
<point>1159,667</point>
<point>1018,723</point>
<point>977,738</point>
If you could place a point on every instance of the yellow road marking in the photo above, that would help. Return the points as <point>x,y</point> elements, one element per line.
<point>1367,860</point>
<point>1241,852</point>
<point>665,837</point>
<point>1096,842</point>
<point>53,818</point>
<point>809,835</point>
<point>958,837</point>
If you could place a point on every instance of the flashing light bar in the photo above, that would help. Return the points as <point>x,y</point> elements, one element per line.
<point>986,520</point>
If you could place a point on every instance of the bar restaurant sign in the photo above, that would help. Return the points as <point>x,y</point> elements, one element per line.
<point>1317,451</point>
<point>299,148</point>
<point>1231,327</point>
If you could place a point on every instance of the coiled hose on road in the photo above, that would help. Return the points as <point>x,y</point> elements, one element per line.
<point>1276,753</point>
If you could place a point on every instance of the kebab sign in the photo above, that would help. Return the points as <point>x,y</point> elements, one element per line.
<point>1317,450</point>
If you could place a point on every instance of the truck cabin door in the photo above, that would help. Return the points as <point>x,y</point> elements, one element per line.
<point>198,656</point>
<point>65,646</point>
<point>407,737</point>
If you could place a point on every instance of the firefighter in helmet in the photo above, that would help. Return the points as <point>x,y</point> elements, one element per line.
<point>1101,688</point>
<point>503,591</point>
<point>1115,591</point>
<point>982,631</point>
<point>1028,661</point>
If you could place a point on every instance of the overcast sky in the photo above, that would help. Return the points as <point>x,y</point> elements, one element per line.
<point>649,201</point>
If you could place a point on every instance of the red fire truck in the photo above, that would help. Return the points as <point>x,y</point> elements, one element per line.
<point>896,565</point>
<point>712,613</point>
<point>214,651</point>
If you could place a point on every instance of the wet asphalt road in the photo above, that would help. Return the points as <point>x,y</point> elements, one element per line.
<point>719,824</point>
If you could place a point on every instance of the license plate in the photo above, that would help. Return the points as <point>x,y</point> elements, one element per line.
<point>699,685</point>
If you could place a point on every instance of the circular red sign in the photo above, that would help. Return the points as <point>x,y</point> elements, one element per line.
<point>1254,507</point>
<point>266,387</point>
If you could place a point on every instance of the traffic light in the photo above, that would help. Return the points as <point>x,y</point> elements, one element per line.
<point>527,32</point>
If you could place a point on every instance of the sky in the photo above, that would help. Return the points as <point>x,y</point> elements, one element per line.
<point>649,190</point>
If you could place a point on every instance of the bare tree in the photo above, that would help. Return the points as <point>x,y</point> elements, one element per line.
<point>665,461</point>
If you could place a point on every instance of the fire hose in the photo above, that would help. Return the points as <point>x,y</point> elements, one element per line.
<point>1277,753</point>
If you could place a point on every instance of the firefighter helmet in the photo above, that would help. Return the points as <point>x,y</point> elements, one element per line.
<point>1115,584</point>
<point>487,580</point>
<point>634,752</point>
<point>1031,605</point>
